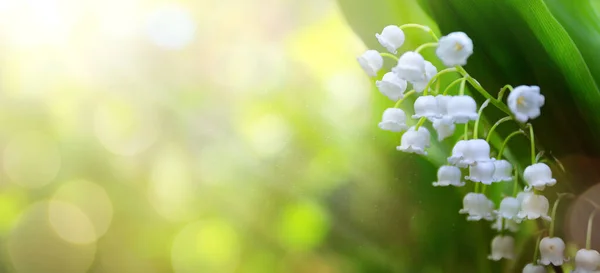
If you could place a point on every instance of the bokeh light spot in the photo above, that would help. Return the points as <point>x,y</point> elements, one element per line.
<point>302,226</point>
<point>31,159</point>
<point>268,135</point>
<point>206,246</point>
<point>70,223</point>
<point>11,204</point>
<point>33,246</point>
<point>91,199</point>
<point>171,27</point>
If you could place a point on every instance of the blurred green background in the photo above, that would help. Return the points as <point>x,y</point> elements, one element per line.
<point>213,136</point>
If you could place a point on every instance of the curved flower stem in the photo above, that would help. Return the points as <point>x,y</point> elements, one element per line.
<point>420,123</point>
<point>532,140</point>
<point>447,70</point>
<point>406,95</point>
<point>554,209</point>
<point>389,55</point>
<point>588,238</point>
<point>537,247</point>
<point>476,187</point>
<point>476,128</point>
<point>422,27</point>
<point>462,86</point>
<point>539,156</point>
<point>466,133</point>
<point>506,141</point>
<point>516,183</point>
<point>501,93</point>
<point>500,121</point>
<point>455,82</point>
<point>426,45</point>
<point>482,91</point>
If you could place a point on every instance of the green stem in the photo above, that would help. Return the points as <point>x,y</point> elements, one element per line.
<point>588,238</point>
<point>500,121</point>
<point>539,156</point>
<point>554,209</point>
<point>466,133</point>
<point>479,114</point>
<point>420,123</point>
<point>447,70</point>
<point>506,141</point>
<point>482,91</point>
<point>537,248</point>
<point>389,55</point>
<point>483,188</point>
<point>532,140</point>
<point>452,84</point>
<point>516,183</point>
<point>422,27</point>
<point>477,187</point>
<point>426,45</point>
<point>407,94</point>
<point>501,94</point>
<point>461,91</point>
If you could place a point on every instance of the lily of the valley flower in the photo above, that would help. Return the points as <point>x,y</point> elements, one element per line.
<point>449,176</point>
<point>462,109</point>
<point>503,171</point>
<point>371,62</point>
<point>532,268</point>
<point>459,152</point>
<point>392,86</point>
<point>443,127</point>
<point>525,102</point>
<point>411,67</point>
<point>478,150</point>
<point>534,206</point>
<point>394,120</point>
<point>477,206</point>
<point>586,261</point>
<point>413,141</point>
<point>443,106</point>
<point>430,71</point>
<point>552,251</point>
<point>539,176</point>
<point>509,208</point>
<point>482,172</point>
<point>426,106</point>
<point>391,37</point>
<point>502,247</point>
<point>454,49</point>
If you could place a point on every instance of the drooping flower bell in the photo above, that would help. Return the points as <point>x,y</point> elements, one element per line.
<point>502,247</point>
<point>509,208</point>
<point>449,176</point>
<point>539,176</point>
<point>462,109</point>
<point>532,268</point>
<point>392,86</point>
<point>454,49</point>
<point>503,171</point>
<point>413,141</point>
<point>426,106</point>
<point>430,71</point>
<point>534,206</point>
<point>443,106</point>
<point>586,261</point>
<point>411,67</point>
<point>478,150</point>
<point>459,152</point>
<point>393,119</point>
<point>525,102</point>
<point>391,37</point>
<point>443,127</point>
<point>552,251</point>
<point>371,62</point>
<point>482,172</point>
<point>477,206</point>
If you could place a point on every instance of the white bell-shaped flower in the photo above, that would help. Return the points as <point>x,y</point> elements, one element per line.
<point>478,150</point>
<point>532,268</point>
<point>394,120</point>
<point>426,106</point>
<point>503,247</point>
<point>534,206</point>
<point>391,37</point>
<point>392,86</point>
<point>443,127</point>
<point>503,171</point>
<point>371,62</point>
<point>521,195</point>
<point>539,176</point>
<point>586,261</point>
<point>478,207</point>
<point>462,109</point>
<point>459,152</point>
<point>411,67</point>
<point>505,224</point>
<point>443,106</point>
<point>415,141</point>
<point>454,49</point>
<point>525,102</point>
<point>482,172</point>
<point>449,176</point>
<point>509,208</point>
<point>552,251</point>
<point>430,71</point>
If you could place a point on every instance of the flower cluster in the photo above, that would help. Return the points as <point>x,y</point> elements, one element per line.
<point>471,157</point>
